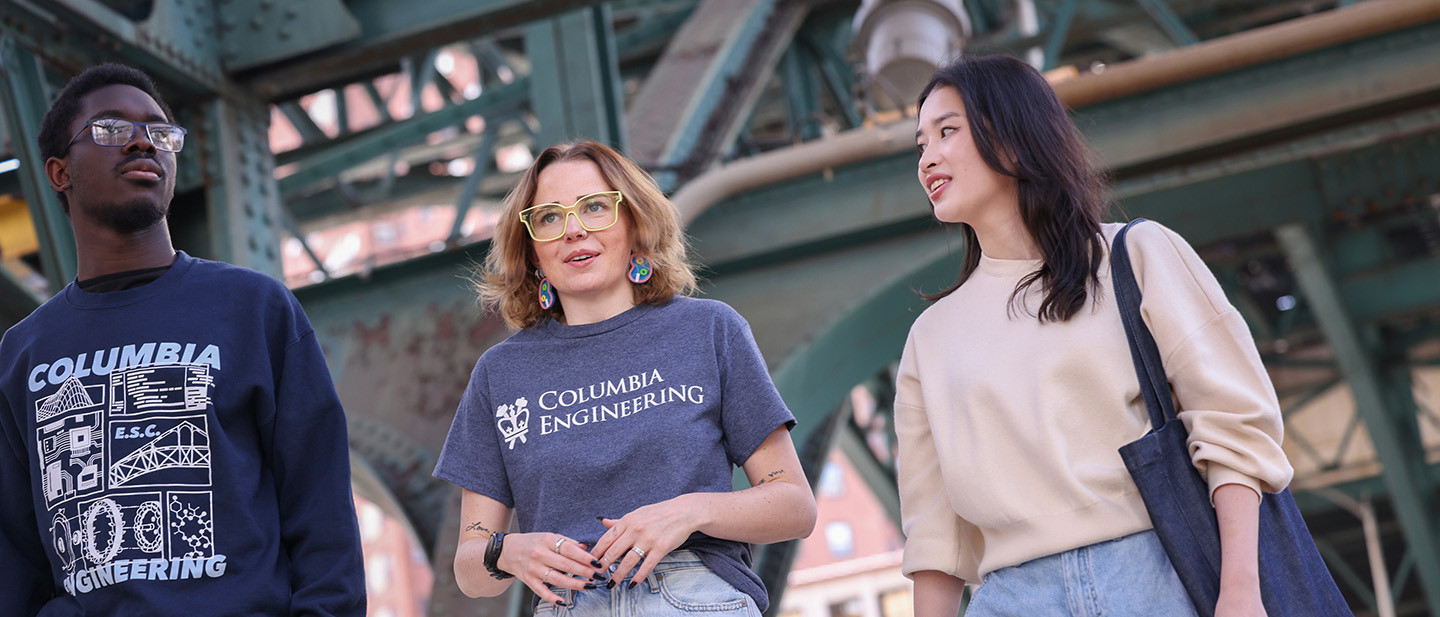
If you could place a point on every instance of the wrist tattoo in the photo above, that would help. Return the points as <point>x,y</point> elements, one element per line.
<point>476,526</point>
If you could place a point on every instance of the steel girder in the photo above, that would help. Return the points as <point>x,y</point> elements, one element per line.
<point>390,31</point>
<point>575,78</point>
<point>329,159</point>
<point>698,95</point>
<point>244,215</point>
<point>863,230</point>
<point>23,101</point>
<point>1384,398</point>
<point>841,252</point>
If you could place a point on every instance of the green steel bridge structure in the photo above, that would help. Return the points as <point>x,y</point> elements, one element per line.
<point>1296,143</point>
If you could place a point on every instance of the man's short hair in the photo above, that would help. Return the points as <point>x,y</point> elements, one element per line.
<point>55,128</point>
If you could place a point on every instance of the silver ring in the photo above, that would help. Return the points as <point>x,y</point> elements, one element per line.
<point>545,580</point>
<point>559,542</point>
<point>640,552</point>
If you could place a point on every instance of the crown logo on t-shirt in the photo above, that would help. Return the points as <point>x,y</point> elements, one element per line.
<point>513,421</point>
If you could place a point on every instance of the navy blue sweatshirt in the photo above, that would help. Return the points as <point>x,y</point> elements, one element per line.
<point>174,449</point>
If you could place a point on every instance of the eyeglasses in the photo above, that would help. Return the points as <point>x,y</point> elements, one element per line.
<point>595,212</point>
<point>115,132</point>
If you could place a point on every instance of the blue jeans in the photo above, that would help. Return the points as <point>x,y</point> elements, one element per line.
<point>679,585</point>
<point>1128,576</point>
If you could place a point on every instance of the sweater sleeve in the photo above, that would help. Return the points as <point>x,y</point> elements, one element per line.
<point>936,538</point>
<point>1223,393</point>
<point>309,453</point>
<point>28,584</point>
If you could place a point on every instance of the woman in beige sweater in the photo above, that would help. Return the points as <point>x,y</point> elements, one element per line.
<point>1016,388</point>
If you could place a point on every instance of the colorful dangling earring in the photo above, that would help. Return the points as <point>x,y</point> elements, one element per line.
<point>639,269</point>
<point>547,293</point>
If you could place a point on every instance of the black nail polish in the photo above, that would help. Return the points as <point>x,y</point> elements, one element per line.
<point>599,518</point>
<point>632,585</point>
<point>598,576</point>
<point>595,563</point>
<point>610,585</point>
<point>589,585</point>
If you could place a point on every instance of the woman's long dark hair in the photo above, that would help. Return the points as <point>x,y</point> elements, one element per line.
<point>1014,114</point>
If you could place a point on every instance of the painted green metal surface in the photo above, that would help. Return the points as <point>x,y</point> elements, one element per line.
<point>242,202</point>
<point>342,154</point>
<point>1244,109</point>
<point>1384,398</point>
<point>823,265</point>
<point>1174,27</point>
<point>176,42</point>
<point>1059,28</point>
<point>16,299</point>
<point>701,91</point>
<point>880,478</point>
<point>258,32</point>
<point>23,101</point>
<point>575,78</point>
<point>394,30</point>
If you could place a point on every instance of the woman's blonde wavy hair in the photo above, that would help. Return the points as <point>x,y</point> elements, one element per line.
<point>506,281</point>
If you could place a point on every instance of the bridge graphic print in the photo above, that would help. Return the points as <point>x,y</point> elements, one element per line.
<point>185,446</point>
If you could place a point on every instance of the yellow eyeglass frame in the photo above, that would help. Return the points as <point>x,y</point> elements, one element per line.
<point>568,211</point>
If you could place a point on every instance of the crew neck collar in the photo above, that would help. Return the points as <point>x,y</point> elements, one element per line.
<point>559,330</point>
<point>82,299</point>
<point>1007,267</point>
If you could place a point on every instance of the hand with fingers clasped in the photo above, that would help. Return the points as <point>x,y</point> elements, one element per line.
<point>640,539</point>
<point>541,560</point>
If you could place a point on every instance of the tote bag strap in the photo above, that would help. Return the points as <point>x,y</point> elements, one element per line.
<point>1143,351</point>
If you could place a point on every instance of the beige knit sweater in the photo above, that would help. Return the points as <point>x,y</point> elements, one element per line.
<point>1009,429</point>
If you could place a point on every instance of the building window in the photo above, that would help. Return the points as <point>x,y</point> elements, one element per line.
<point>846,608</point>
<point>840,538</point>
<point>897,603</point>
<point>832,480</point>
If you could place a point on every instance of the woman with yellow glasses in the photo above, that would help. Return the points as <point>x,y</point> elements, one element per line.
<point>609,423</point>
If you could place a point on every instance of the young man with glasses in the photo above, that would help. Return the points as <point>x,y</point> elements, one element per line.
<point>170,440</point>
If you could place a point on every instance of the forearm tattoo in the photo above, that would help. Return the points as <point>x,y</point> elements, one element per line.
<point>770,476</point>
<point>476,526</point>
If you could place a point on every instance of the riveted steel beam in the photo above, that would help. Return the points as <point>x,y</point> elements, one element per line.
<point>23,102</point>
<point>259,32</point>
<point>395,30</point>
<point>176,42</point>
<point>1384,398</point>
<point>242,202</point>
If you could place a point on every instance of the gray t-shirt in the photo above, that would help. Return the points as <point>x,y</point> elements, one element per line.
<point>567,423</point>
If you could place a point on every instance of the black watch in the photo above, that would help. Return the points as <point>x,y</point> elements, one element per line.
<point>492,557</point>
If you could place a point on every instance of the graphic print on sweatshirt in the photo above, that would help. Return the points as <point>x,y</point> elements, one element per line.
<point>124,453</point>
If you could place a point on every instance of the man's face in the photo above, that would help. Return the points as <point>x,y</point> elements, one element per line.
<point>126,188</point>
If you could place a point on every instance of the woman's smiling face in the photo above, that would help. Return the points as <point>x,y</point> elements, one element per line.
<point>584,266</point>
<point>961,186</point>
